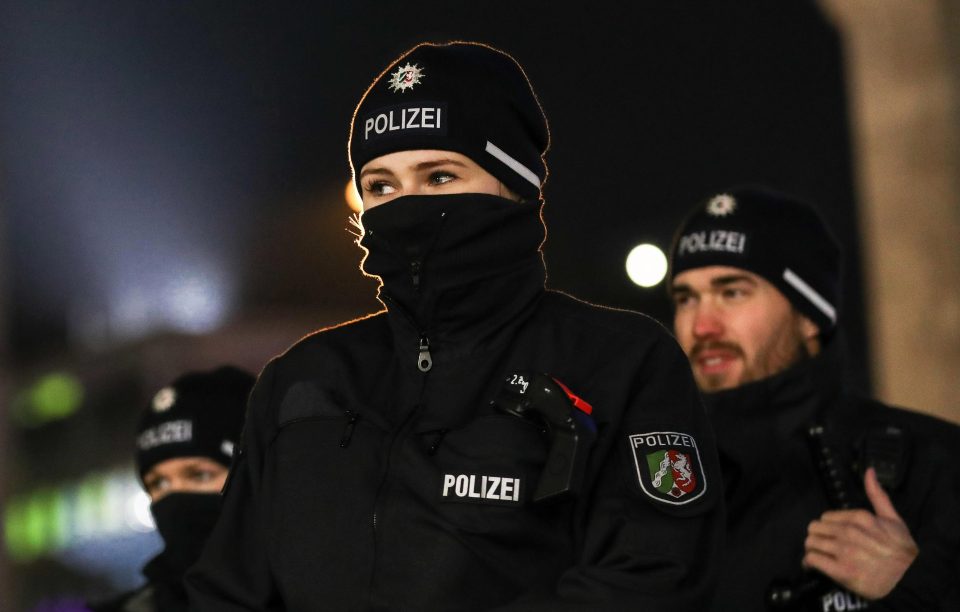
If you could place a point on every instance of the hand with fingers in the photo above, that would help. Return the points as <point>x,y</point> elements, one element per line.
<point>865,552</point>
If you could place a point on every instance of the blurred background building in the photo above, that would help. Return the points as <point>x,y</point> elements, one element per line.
<point>173,184</point>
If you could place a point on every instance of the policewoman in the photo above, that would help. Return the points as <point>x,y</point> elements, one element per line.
<point>835,502</point>
<point>185,441</point>
<point>482,443</point>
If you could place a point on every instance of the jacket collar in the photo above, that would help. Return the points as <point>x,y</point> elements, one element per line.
<point>460,271</point>
<point>761,428</point>
<point>783,400</point>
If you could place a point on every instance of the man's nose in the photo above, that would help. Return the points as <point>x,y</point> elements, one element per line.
<point>707,322</point>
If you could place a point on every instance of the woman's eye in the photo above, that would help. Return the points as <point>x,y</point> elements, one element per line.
<point>439,178</point>
<point>379,188</point>
<point>201,476</point>
<point>156,484</point>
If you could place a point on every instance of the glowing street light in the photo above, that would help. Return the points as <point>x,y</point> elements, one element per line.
<point>646,265</point>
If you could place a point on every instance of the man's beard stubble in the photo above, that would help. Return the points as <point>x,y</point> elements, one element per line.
<point>766,363</point>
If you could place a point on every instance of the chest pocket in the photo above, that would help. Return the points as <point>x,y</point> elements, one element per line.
<point>323,442</point>
<point>305,402</point>
<point>480,488</point>
<point>493,460</point>
<point>321,473</point>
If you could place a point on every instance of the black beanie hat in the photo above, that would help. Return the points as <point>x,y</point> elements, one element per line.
<point>773,235</point>
<point>459,96</point>
<point>198,414</point>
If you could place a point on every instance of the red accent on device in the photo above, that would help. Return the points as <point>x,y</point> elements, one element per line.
<point>578,403</point>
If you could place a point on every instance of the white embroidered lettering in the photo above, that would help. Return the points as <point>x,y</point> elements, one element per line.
<point>481,487</point>
<point>662,439</point>
<point>448,480</point>
<point>716,241</point>
<point>462,484</point>
<point>426,117</point>
<point>166,433</point>
<point>494,484</point>
<point>411,121</point>
<point>506,488</point>
<point>413,118</point>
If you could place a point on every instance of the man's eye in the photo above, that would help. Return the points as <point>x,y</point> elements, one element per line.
<point>681,299</point>
<point>734,292</point>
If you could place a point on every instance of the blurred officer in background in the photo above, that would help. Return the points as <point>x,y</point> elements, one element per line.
<point>184,446</point>
<point>483,443</point>
<point>834,501</point>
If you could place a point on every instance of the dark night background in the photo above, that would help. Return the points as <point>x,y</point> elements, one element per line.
<point>178,165</point>
<point>144,135</point>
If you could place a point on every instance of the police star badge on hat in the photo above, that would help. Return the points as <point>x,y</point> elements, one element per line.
<point>405,77</point>
<point>164,399</point>
<point>668,466</point>
<point>721,205</point>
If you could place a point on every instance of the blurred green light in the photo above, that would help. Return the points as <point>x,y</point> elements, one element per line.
<point>54,518</point>
<point>54,397</point>
<point>14,529</point>
<point>88,505</point>
<point>35,524</point>
<point>57,396</point>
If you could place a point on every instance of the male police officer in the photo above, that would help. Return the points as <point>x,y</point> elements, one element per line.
<point>482,443</point>
<point>184,446</point>
<point>755,280</point>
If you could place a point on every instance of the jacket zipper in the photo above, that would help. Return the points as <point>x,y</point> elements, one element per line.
<point>352,418</point>
<point>398,434</point>
<point>424,359</point>
<point>424,364</point>
<point>415,274</point>
<point>386,471</point>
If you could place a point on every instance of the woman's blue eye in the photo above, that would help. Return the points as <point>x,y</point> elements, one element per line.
<point>439,178</point>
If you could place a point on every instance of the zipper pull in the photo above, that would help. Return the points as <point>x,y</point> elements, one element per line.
<point>436,441</point>
<point>352,418</point>
<point>424,360</point>
<point>415,274</point>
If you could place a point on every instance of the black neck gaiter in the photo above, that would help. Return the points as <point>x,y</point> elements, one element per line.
<point>455,264</point>
<point>184,521</point>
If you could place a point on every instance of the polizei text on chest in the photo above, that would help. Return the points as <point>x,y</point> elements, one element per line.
<point>478,487</point>
<point>408,118</point>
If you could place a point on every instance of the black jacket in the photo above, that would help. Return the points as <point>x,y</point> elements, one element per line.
<point>337,500</point>
<point>163,592</point>
<point>774,487</point>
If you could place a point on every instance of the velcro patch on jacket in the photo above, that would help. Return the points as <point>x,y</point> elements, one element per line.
<point>481,489</point>
<point>668,465</point>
